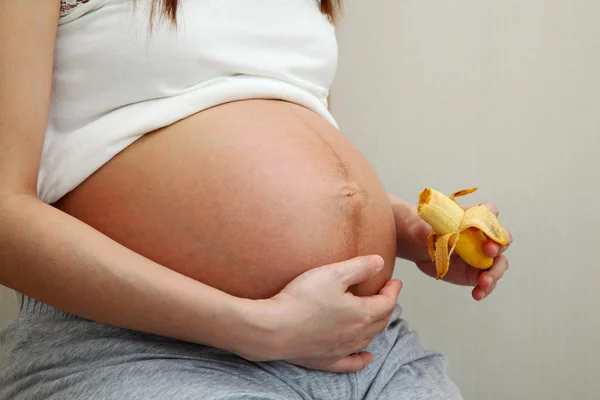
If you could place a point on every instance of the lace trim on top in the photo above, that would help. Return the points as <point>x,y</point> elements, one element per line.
<point>67,6</point>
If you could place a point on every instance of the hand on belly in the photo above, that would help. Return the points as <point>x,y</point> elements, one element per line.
<point>243,197</point>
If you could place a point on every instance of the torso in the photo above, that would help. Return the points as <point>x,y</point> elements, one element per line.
<point>244,197</point>
<point>241,195</point>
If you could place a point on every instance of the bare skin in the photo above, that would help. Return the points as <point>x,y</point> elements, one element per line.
<point>62,261</point>
<point>412,245</point>
<point>241,200</point>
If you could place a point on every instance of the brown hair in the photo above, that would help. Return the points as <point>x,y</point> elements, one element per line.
<point>168,8</point>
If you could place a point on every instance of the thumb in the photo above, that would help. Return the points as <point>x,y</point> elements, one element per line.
<point>350,363</point>
<point>356,270</point>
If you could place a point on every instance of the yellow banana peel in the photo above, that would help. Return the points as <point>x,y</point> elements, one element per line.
<point>457,229</point>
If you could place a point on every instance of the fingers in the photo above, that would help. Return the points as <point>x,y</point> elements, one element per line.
<point>382,304</point>
<point>391,290</point>
<point>493,249</point>
<point>471,276</point>
<point>509,237</point>
<point>495,272</point>
<point>376,328</point>
<point>487,280</point>
<point>351,363</point>
<point>357,269</point>
<point>347,364</point>
<point>478,293</point>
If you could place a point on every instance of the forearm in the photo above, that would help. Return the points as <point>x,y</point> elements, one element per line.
<point>57,259</point>
<point>411,230</point>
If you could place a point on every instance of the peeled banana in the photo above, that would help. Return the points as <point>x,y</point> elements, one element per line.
<point>457,229</point>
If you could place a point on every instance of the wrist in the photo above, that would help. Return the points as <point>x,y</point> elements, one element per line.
<point>251,330</point>
<point>411,230</point>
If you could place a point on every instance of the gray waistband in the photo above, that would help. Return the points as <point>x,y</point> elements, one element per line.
<point>32,308</point>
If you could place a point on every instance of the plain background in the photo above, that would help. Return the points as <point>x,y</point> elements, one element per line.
<point>503,96</point>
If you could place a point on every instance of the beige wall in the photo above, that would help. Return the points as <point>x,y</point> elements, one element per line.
<point>442,93</point>
<point>504,95</point>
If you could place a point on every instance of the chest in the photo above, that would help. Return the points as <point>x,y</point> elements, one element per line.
<point>105,44</point>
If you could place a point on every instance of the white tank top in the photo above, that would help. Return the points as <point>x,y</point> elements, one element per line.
<point>113,83</point>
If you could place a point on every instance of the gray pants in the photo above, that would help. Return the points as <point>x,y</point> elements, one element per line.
<point>48,354</point>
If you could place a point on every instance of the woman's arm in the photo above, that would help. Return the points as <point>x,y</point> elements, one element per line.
<point>48,254</point>
<point>55,258</point>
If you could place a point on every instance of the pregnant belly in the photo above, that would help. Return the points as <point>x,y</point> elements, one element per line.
<point>243,197</point>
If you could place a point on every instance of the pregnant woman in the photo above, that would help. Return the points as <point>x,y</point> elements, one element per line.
<point>182,219</point>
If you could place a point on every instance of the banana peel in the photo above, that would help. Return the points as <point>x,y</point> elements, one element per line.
<point>458,230</point>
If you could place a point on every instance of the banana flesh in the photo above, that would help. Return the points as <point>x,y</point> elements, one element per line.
<point>458,230</point>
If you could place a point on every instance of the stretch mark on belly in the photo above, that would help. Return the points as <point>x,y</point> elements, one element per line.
<point>353,197</point>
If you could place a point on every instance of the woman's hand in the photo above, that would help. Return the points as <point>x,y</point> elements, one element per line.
<point>460,273</point>
<point>412,245</point>
<point>316,323</point>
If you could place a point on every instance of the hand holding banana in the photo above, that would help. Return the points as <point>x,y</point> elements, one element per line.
<point>474,234</point>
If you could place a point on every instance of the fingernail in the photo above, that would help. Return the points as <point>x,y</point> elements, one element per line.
<point>489,280</point>
<point>498,249</point>
<point>378,263</point>
<point>481,294</point>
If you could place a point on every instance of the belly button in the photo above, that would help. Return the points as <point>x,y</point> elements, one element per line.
<point>349,193</point>
<point>351,190</point>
